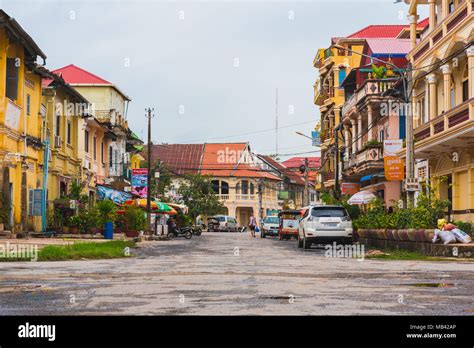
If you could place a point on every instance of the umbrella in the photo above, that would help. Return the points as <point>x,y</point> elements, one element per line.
<point>362,197</point>
<point>182,207</point>
<point>155,205</point>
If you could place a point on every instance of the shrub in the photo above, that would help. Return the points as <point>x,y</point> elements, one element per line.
<point>107,211</point>
<point>134,218</point>
<point>464,226</point>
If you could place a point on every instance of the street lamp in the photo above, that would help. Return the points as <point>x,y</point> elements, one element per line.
<point>410,149</point>
<point>308,137</point>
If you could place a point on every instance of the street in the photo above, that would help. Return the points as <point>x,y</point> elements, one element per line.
<point>233,274</point>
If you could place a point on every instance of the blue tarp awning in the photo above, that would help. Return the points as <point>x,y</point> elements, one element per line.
<point>367,177</point>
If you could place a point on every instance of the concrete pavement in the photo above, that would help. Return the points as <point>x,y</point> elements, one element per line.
<point>233,274</point>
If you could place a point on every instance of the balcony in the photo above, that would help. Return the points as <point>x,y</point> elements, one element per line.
<point>328,176</point>
<point>443,30</point>
<point>450,130</point>
<point>367,161</point>
<point>248,197</point>
<point>369,88</point>
<point>223,198</point>
<point>320,59</point>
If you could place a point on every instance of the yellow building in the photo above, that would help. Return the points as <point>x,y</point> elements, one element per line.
<point>20,123</point>
<point>443,63</point>
<point>65,113</point>
<point>333,65</point>
<point>107,129</point>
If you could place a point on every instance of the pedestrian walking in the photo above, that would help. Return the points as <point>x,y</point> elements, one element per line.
<point>252,225</point>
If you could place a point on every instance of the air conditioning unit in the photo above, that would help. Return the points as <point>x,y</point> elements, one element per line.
<point>58,142</point>
<point>87,164</point>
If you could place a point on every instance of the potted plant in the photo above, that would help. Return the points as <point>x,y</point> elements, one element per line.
<point>74,222</point>
<point>373,144</point>
<point>134,221</point>
<point>107,212</point>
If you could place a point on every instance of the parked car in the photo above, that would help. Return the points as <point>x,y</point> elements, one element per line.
<point>270,226</point>
<point>324,224</point>
<point>226,224</point>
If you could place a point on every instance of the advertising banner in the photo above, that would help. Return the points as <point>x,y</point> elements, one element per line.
<point>392,147</point>
<point>139,182</point>
<point>116,196</point>
<point>350,188</point>
<point>394,168</point>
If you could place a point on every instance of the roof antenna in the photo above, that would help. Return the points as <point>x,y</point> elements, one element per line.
<point>276,125</point>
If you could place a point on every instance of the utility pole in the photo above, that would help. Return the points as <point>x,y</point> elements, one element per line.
<point>149,115</point>
<point>276,125</point>
<point>306,187</point>
<point>336,163</point>
<point>410,151</point>
<point>260,201</point>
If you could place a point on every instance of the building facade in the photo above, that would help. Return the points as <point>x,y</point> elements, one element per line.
<point>369,117</point>
<point>443,62</point>
<point>242,186</point>
<point>106,156</point>
<point>21,117</point>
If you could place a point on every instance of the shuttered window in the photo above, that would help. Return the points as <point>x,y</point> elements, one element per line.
<point>11,90</point>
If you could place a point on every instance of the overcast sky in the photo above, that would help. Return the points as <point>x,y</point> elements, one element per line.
<point>210,69</point>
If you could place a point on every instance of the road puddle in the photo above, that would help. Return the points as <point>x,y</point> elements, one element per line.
<point>433,285</point>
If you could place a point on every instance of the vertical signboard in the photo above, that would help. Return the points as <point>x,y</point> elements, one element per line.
<point>394,168</point>
<point>139,182</point>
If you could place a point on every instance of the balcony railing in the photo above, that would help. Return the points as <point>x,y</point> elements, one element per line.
<point>223,197</point>
<point>369,154</point>
<point>446,121</point>
<point>327,176</point>
<point>441,31</point>
<point>242,197</point>
<point>368,88</point>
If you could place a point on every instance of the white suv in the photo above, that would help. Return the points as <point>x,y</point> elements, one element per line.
<point>324,223</point>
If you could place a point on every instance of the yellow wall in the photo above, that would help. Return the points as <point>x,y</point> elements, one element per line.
<point>12,140</point>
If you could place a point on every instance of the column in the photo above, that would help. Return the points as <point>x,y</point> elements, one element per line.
<point>354,135</point>
<point>431,97</point>
<point>346,142</point>
<point>336,77</point>
<point>369,123</point>
<point>359,132</point>
<point>337,116</point>
<point>446,69</point>
<point>470,65</point>
<point>413,19</point>
<point>331,86</point>
<point>432,14</point>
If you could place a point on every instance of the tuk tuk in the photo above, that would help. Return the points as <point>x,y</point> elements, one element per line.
<point>212,224</point>
<point>289,222</point>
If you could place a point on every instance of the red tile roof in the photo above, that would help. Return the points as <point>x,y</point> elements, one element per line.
<point>223,160</point>
<point>179,158</point>
<point>218,160</point>
<point>294,177</point>
<point>384,30</point>
<point>72,74</point>
<point>296,162</point>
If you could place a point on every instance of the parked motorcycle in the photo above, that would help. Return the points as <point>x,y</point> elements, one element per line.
<point>197,230</point>
<point>181,232</point>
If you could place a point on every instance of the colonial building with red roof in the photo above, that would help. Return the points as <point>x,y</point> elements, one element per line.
<point>107,154</point>
<point>232,168</point>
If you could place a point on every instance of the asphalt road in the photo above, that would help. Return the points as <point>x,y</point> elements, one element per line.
<point>233,274</point>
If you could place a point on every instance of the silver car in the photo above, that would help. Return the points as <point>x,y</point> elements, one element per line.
<point>323,224</point>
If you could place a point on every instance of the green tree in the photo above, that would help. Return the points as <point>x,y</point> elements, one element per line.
<point>199,196</point>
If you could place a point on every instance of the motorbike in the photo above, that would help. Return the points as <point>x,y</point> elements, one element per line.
<point>197,230</point>
<point>181,232</point>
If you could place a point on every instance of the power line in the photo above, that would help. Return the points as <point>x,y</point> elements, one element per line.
<point>248,133</point>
